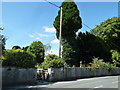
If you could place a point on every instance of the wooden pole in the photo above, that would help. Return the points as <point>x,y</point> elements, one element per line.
<point>60,36</point>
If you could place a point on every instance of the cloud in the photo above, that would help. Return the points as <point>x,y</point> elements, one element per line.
<point>42,35</point>
<point>55,41</point>
<point>50,30</point>
<point>37,38</point>
<point>52,51</point>
<point>32,36</point>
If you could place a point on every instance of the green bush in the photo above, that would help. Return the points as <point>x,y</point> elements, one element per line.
<point>52,61</point>
<point>7,53</point>
<point>37,49</point>
<point>98,63</point>
<point>116,57</point>
<point>18,59</point>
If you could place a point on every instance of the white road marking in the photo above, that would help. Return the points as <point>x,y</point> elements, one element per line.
<point>99,86</point>
<point>85,79</point>
<point>116,82</point>
<point>96,87</point>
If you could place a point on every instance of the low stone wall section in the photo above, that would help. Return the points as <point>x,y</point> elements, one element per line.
<point>17,76</point>
<point>55,74</point>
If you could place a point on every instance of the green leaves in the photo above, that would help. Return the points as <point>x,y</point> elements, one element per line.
<point>37,49</point>
<point>52,61</point>
<point>109,31</point>
<point>116,57</point>
<point>18,58</point>
<point>89,46</point>
<point>71,20</point>
<point>71,23</point>
<point>99,63</point>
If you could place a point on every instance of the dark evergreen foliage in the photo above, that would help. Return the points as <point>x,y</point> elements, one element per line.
<point>16,47</point>
<point>71,23</point>
<point>90,46</point>
<point>2,37</point>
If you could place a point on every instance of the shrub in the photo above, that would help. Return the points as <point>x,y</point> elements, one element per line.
<point>18,59</point>
<point>51,57</point>
<point>52,61</point>
<point>6,53</point>
<point>116,57</point>
<point>37,49</point>
<point>98,63</point>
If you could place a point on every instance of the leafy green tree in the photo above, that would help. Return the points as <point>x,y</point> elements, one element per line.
<point>109,31</point>
<point>6,53</point>
<point>16,47</point>
<point>18,58</point>
<point>52,61</point>
<point>71,23</point>
<point>37,49</point>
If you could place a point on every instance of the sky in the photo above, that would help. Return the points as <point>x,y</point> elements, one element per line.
<point>25,22</point>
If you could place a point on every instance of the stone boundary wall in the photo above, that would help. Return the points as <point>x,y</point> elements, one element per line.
<point>17,76</point>
<point>0,78</point>
<point>55,74</point>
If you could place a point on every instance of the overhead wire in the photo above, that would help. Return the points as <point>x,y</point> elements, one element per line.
<point>52,4</point>
<point>59,7</point>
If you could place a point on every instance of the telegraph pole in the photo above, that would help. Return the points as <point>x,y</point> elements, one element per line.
<point>60,33</point>
<point>0,47</point>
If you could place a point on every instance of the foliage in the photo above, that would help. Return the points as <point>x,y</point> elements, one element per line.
<point>52,61</point>
<point>109,31</point>
<point>37,49</point>
<point>69,51</point>
<point>25,48</point>
<point>71,20</point>
<point>116,57</point>
<point>2,37</point>
<point>71,23</point>
<point>90,46</point>
<point>9,52</point>
<point>16,47</point>
<point>18,58</point>
<point>50,57</point>
<point>98,63</point>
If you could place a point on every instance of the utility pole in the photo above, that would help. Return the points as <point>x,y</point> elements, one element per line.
<point>0,47</point>
<point>60,33</point>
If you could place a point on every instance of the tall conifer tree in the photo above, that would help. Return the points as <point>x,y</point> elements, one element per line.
<point>71,23</point>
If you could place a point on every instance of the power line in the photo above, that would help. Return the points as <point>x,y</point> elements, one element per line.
<point>52,4</point>
<point>1,21</point>
<point>60,33</point>
<point>63,10</point>
<point>87,26</point>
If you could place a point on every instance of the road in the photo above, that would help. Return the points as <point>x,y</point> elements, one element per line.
<point>90,83</point>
